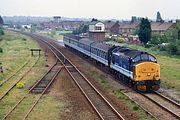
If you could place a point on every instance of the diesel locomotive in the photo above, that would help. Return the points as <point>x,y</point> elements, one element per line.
<point>138,69</point>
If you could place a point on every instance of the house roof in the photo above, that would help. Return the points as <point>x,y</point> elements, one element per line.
<point>109,24</point>
<point>95,22</point>
<point>157,26</point>
<point>129,25</point>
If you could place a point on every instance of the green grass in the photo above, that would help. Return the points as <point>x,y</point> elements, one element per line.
<point>170,66</point>
<point>48,108</point>
<point>102,80</point>
<point>58,35</point>
<point>133,106</point>
<point>16,52</point>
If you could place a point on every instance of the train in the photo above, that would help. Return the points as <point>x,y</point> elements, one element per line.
<point>138,69</point>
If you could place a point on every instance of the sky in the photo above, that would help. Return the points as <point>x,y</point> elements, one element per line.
<point>100,9</point>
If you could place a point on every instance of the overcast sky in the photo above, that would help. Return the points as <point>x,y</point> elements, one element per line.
<point>105,9</point>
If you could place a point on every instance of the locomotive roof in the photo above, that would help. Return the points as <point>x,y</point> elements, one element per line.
<point>101,45</point>
<point>131,53</point>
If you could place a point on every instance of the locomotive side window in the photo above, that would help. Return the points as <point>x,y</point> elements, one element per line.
<point>137,58</point>
<point>113,59</point>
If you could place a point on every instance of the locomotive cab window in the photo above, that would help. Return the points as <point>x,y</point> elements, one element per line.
<point>144,57</point>
<point>152,58</point>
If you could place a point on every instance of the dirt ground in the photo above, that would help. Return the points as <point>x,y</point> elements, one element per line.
<point>84,67</point>
<point>66,91</point>
<point>77,107</point>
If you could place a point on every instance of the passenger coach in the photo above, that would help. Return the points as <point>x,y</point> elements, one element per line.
<point>138,69</point>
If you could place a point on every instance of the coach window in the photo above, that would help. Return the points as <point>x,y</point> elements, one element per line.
<point>105,56</point>
<point>96,52</point>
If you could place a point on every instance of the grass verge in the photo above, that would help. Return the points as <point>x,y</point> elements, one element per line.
<point>102,80</point>
<point>15,52</point>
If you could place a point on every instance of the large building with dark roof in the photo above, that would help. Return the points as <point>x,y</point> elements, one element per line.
<point>112,27</point>
<point>128,28</point>
<point>162,28</point>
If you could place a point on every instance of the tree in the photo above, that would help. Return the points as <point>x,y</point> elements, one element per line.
<point>145,31</point>
<point>33,27</point>
<point>81,29</point>
<point>1,21</point>
<point>135,19</point>
<point>158,17</point>
<point>1,32</point>
<point>94,20</point>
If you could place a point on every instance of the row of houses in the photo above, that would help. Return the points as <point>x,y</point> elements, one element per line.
<point>62,25</point>
<point>129,27</point>
<point>111,27</point>
<point>98,30</point>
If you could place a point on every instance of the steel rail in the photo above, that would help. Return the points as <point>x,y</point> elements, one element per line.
<point>1,84</point>
<point>15,106</point>
<point>168,99</point>
<point>164,97</point>
<point>35,103</point>
<point>107,102</point>
<point>162,106</point>
<point>18,80</point>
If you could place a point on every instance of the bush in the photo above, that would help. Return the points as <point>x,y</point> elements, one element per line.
<point>150,45</point>
<point>20,85</point>
<point>1,32</point>
<point>23,39</point>
<point>1,50</point>
<point>121,40</point>
<point>174,48</point>
<point>135,107</point>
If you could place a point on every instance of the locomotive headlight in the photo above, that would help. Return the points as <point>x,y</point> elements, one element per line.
<point>149,74</point>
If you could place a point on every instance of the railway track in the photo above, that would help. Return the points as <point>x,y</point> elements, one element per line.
<point>101,105</point>
<point>41,86</point>
<point>172,108</point>
<point>9,78</point>
<point>21,78</point>
<point>160,100</point>
<point>165,103</point>
<point>124,91</point>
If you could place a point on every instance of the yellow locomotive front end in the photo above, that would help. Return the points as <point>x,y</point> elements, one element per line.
<point>147,76</point>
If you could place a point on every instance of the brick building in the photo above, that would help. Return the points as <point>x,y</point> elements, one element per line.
<point>162,28</point>
<point>112,27</point>
<point>96,31</point>
<point>128,28</point>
